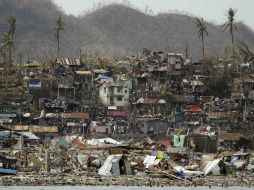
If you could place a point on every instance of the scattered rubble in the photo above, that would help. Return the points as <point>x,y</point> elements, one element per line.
<point>153,121</point>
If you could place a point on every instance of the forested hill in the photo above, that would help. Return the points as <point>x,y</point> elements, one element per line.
<point>110,30</point>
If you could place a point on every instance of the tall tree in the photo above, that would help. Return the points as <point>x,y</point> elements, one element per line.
<point>166,94</point>
<point>147,52</point>
<point>12,28</point>
<point>12,22</point>
<point>4,47</point>
<point>231,25</point>
<point>58,28</point>
<point>200,24</point>
<point>7,42</point>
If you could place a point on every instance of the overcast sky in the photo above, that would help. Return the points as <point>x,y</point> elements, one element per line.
<point>211,10</point>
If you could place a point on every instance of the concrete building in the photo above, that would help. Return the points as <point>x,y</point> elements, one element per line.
<point>114,95</point>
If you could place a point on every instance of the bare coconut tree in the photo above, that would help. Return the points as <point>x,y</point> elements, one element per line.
<point>200,24</point>
<point>58,28</point>
<point>231,25</point>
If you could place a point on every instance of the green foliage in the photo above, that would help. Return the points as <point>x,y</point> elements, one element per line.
<point>165,93</point>
<point>147,52</point>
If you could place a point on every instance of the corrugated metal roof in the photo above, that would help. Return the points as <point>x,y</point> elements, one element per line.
<point>36,128</point>
<point>21,127</point>
<point>213,114</point>
<point>68,61</point>
<point>43,129</point>
<point>83,72</point>
<point>150,101</point>
<point>112,108</point>
<point>100,71</point>
<point>230,136</point>
<point>29,135</point>
<point>117,113</point>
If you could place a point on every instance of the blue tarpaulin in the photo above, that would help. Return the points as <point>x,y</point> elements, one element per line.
<point>103,76</point>
<point>183,176</point>
<point>34,84</point>
<point>8,171</point>
<point>179,117</point>
<point>154,152</point>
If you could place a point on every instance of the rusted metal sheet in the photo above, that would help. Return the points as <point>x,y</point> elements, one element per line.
<point>21,128</point>
<point>36,128</point>
<point>117,114</point>
<point>43,129</point>
<point>100,129</point>
<point>217,114</point>
<point>69,61</point>
<point>231,136</point>
<point>116,150</point>
<point>78,115</point>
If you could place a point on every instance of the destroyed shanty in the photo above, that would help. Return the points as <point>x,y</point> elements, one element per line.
<point>154,121</point>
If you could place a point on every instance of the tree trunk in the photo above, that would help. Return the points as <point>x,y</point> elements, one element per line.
<point>203,46</point>
<point>233,45</point>
<point>58,44</point>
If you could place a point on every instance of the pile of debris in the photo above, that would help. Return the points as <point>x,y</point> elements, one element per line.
<point>109,162</point>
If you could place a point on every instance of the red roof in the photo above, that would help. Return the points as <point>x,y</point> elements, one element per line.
<point>193,108</point>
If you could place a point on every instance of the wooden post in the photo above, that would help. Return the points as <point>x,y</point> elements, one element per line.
<point>47,161</point>
<point>25,155</point>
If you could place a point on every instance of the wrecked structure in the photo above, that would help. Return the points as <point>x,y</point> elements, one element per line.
<point>153,117</point>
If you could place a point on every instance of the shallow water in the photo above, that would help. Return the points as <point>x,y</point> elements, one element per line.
<point>122,188</point>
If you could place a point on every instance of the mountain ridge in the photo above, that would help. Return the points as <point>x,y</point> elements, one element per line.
<point>111,31</point>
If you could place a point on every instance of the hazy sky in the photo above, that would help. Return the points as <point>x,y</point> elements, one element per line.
<point>211,10</point>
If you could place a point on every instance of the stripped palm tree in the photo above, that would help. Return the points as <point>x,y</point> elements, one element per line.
<point>58,28</point>
<point>6,50</point>
<point>4,45</point>
<point>6,40</point>
<point>12,22</point>
<point>200,24</point>
<point>9,36</point>
<point>147,52</point>
<point>231,25</point>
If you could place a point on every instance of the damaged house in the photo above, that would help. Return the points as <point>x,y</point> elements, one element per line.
<point>114,95</point>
